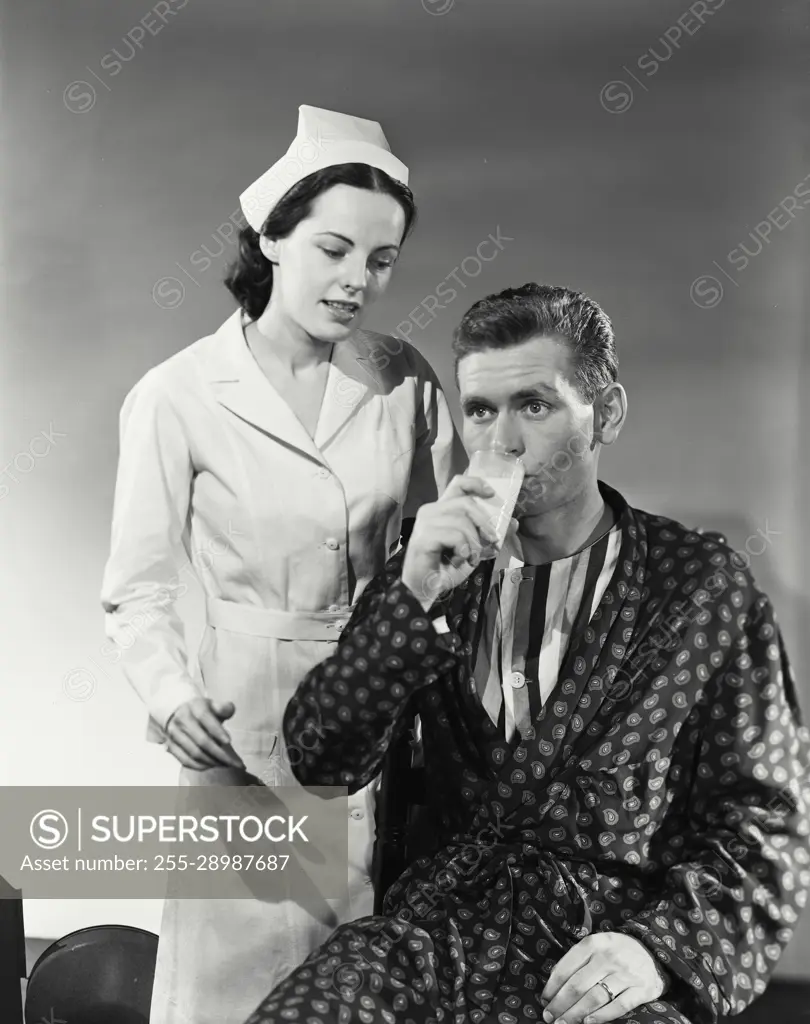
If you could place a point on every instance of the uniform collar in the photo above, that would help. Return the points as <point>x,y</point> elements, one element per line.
<point>240,386</point>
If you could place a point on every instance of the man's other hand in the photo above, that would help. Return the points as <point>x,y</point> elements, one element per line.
<point>598,967</point>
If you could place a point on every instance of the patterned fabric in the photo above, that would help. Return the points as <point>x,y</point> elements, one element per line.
<point>530,614</point>
<point>662,793</point>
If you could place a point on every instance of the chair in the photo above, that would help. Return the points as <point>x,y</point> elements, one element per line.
<point>98,975</point>
<point>12,952</point>
<point>399,799</point>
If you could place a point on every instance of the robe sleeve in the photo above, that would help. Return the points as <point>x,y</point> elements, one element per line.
<point>731,902</point>
<point>144,574</point>
<point>439,454</point>
<point>343,713</point>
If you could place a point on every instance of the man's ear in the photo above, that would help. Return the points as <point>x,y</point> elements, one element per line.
<point>610,412</point>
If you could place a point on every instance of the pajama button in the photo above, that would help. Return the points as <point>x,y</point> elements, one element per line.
<point>324,473</point>
<point>517,679</point>
<point>357,814</point>
<point>332,544</point>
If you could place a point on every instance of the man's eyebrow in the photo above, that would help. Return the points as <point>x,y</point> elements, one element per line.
<point>539,391</point>
<point>348,241</point>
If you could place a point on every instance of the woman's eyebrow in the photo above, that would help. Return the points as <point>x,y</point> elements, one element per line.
<point>336,234</point>
<point>348,241</point>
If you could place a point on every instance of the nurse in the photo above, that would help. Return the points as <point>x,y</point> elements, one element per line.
<point>286,447</point>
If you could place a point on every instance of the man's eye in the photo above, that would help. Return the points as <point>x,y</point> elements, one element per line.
<point>537,408</point>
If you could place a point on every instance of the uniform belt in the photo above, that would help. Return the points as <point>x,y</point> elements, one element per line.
<point>274,622</point>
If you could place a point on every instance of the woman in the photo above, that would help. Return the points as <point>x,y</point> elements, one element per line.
<point>286,447</point>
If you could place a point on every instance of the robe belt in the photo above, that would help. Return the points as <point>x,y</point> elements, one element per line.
<point>487,891</point>
<point>275,622</point>
<point>491,883</point>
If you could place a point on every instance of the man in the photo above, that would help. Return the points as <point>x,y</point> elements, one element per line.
<point>611,737</point>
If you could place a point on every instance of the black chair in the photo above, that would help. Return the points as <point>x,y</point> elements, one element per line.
<point>12,953</point>
<point>399,798</point>
<point>98,975</point>
<point>399,801</point>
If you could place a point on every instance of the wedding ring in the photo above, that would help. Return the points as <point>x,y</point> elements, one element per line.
<point>604,985</point>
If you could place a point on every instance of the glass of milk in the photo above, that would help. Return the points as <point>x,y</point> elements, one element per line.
<point>504,473</point>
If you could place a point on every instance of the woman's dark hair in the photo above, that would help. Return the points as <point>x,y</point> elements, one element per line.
<point>250,276</point>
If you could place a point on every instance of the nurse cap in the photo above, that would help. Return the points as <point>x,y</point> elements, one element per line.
<point>324,138</point>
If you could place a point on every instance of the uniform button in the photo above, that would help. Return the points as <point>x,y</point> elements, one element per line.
<point>332,544</point>
<point>517,576</point>
<point>341,623</point>
<point>334,607</point>
<point>517,679</point>
<point>324,473</point>
<point>356,813</point>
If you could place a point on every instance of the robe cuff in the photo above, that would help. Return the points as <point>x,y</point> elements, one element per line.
<point>685,988</point>
<point>432,625</point>
<point>432,609</point>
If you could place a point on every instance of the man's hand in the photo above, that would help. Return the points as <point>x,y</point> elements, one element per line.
<point>447,539</point>
<point>573,992</point>
<point>194,734</point>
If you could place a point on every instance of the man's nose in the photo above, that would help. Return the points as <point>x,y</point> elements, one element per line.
<point>508,436</point>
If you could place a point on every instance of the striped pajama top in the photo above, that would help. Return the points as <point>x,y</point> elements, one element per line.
<point>531,613</point>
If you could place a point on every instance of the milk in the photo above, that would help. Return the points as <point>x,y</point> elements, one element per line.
<point>504,474</point>
<point>500,507</point>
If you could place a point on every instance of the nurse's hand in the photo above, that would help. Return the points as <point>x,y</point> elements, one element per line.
<point>196,737</point>
<point>447,539</point>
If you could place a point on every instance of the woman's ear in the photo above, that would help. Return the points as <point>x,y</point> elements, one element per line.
<point>269,248</point>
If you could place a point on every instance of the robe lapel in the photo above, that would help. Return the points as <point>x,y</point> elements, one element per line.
<point>594,660</point>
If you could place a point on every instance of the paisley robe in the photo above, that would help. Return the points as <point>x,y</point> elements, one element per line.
<point>661,793</point>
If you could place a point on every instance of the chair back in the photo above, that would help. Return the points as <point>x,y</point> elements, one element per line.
<point>98,975</point>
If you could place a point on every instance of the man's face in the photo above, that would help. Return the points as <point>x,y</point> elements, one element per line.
<point>523,398</point>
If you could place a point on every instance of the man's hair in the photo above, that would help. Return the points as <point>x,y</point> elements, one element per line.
<point>518,314</point>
